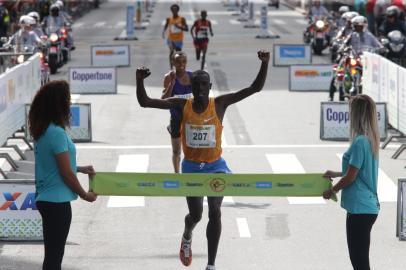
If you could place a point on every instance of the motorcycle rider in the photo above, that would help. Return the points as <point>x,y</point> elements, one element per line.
<point>317,11</point>
<point>36,27</point>
<point>54,21</point>
<point>341,22</point>
<point>392,22</point>
<point>361,38</point>
<point>24,37</point>
<point>68,22</point>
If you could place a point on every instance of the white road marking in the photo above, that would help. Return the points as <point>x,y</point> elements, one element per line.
<point>387,190</point>
<point>234,22</point>
<point>243,228</point>
<point>99,24</point>
<point>77,25</point>
<point>130,163</point>
<point>288,163</point>
<point>276,21</point>
<point>301,21</point>
<point>120,24</point>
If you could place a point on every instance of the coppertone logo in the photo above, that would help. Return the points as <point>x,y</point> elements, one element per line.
<point>217,184</point>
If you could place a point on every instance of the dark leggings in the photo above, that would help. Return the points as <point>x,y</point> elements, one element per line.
<point>358,238</point>
<point>56,220</point>
<point>213,231</point>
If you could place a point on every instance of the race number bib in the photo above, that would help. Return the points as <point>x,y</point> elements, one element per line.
<point>202,33</point>
<point>200,136</point>
<point>175,30</point>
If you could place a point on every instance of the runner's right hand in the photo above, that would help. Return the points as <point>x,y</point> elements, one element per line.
<point>90,196</point>
<point>142,73</point>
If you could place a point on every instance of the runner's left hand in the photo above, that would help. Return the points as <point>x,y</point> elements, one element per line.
<point>263,55</point>
<point>328,194</point>
<point>142,73</point>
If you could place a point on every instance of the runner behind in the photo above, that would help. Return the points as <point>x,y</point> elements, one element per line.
<point>175,26</point>
<point>202,119</point>
<point>200,34</point>
<point>177,84</point>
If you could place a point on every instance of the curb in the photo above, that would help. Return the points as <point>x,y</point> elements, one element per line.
<point>298,9</point>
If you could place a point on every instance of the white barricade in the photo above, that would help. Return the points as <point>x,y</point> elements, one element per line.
<point>401,210</point>
<point>17,87</point>
<point>385,81</point>
<point>291,54</point>
<point>335,118</point>
<point>93,80</point>
<point>110,55</point>
<point>310,77</point>
<point>19,217</point>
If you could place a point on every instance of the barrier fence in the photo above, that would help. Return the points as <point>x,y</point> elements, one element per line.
<point>385,81</point>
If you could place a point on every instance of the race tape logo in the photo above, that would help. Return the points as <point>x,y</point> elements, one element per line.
<point>11,201</point>
<point>217,184</point>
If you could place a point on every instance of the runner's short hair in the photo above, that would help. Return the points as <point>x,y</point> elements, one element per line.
<point>178,53</point>
<point>175,6</point>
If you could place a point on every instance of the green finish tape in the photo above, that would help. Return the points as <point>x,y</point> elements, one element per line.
<point>206,184</point>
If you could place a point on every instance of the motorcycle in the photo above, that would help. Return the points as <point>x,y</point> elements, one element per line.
<point>395,43</point>
<point>54,53</point>
<point>348,74</point>
<point>316,35</point>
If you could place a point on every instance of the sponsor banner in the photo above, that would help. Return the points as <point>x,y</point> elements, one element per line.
<point>264,19</point>
<point>370,74</point>
<point>19,217</point>
<point>286,55</point>
<point>402,100</point>
<point>335,120</point>
<point>310,77</point>
<point>80,124</point>
<point>110,55</point>
<point>201,184</point>
<point>383,80</point>
<point>130,21</point>
<point>93,80</point>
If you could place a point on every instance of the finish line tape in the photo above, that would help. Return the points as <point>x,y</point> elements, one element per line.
<point>209,184</point>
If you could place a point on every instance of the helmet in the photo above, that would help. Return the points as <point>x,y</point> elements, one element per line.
<point>26,20</point>
<point>392,11</point>
<point>359,21</point>
<point>34,15</point>
<point>343,9</point>
<point>59,3</point>
<point>349,15</point>
<point>54,7</point>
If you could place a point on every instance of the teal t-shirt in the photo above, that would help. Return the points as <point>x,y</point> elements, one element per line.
<point>360,197</point>
<point>49,183</point>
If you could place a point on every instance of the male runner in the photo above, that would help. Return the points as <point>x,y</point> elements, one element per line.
<point>175,26</point>
<point>202,119</point>
<point>177,84</point>
<point>200,34</point>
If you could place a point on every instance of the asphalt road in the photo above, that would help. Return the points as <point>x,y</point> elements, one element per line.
<point>272,131</point>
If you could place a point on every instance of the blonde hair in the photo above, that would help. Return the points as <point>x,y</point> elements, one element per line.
<point>364,121</point>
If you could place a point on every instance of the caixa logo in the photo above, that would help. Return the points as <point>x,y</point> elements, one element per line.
<point>11,201</point>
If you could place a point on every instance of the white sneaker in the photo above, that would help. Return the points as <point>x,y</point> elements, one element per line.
<point>210,267</point>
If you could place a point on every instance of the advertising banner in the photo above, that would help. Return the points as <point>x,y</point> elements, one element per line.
<point>202,184</point>
<point>130,21</point>
<point>371,75</point>
<point>110,55</point>
<point>19,217</point>
<point>310,77</point>
<point>335,120</point>
<point>80,124</point>
<point>402,100</point>
<point>93,80</point>
<point>286,55</point>
<point>383,80</point>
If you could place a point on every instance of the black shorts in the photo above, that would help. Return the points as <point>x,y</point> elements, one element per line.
<point>174,128</point>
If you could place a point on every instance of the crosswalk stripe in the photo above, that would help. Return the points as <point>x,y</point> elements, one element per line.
<point>130,163</point>
<point>120,24</point>
<point>226,200</point>
<point>243,228</point>
<point>234,22</point>
<point>77,25</point>
<point>99,24</point>
<point>288,163</point>
<point>387,191</point>
<point>276,21</point>
<point>301,21</point>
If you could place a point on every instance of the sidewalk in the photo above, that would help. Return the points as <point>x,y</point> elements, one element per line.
<point>291,4</point>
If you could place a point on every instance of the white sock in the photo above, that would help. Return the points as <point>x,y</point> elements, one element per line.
<point>210,267</point>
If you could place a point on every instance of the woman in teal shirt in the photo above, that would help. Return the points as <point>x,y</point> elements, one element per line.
<point>359,180</point>
<point>55,168</point>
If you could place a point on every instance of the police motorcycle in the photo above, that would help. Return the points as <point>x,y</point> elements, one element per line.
<point>395,43</point>
<point>339,39</point>
<point>348,74</point>
<point>316,35</point>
